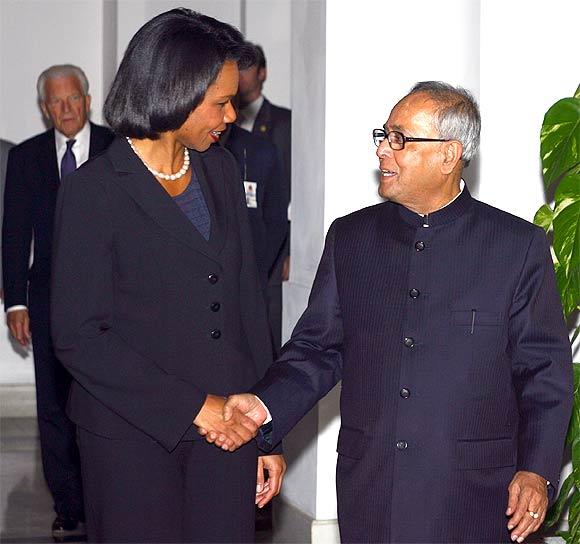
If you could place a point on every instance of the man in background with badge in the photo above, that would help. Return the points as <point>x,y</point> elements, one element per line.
<point>273,123</point>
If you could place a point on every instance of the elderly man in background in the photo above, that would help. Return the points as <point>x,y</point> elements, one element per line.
<point>440,315</point>
<point>35,168</point>
<point>4,149</point>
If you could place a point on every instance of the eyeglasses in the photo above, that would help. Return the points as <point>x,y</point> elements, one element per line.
<point>397,139</point>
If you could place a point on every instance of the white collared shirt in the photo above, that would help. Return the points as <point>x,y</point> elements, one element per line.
<point>81,152</point>
<point>461,187</point>
<point>248,115</point>
<point>80,147</point>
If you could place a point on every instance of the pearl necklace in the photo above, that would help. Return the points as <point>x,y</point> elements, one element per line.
<point>161,175</point>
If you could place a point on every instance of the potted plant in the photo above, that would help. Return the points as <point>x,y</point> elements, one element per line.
<point>560,154</point>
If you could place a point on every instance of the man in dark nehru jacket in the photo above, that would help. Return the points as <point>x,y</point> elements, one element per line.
<point>35,168</point>
<point>440,315</point>
<point>262,118</point>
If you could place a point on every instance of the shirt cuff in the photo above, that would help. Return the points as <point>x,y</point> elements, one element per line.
<point>269,416</point>
<point>20,307</point>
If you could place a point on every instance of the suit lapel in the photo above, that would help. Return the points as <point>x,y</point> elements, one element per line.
<point>263,121</point>
<point>144,189</point>
<point>95,143</point>
<point>215,196</point>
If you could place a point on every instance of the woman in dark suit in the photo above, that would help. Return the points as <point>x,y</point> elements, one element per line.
<point>157,310</point>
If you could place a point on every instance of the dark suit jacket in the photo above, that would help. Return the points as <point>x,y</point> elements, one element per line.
<point>4,149</point>
<point>147,316</point>
<point>275,124</point>
<point>455,365</point>
<point>32,182</point>
<point>258,162</point>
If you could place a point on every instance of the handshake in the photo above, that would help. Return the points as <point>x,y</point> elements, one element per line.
<point>230,423</point>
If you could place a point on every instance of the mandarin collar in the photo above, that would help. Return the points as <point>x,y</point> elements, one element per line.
<point>447,214</point>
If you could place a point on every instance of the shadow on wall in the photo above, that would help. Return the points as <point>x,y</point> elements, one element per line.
<point>24,353</point>
<point>471,176</point>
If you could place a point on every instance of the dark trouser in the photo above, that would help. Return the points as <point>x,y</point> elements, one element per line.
<point>136,491</point>
<point>60,456</point>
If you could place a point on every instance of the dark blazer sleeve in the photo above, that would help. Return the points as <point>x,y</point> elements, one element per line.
<point>83,327</point>
<point>311,362</point>
<point>16,229</point>
<point>542,369</point>
<point>4,149</point>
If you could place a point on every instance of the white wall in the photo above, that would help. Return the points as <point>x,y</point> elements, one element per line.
<point>267,22</point>
<point>35,34</point>
<point>526,66</point>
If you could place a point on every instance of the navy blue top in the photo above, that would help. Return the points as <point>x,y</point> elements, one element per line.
<point>193,205</point>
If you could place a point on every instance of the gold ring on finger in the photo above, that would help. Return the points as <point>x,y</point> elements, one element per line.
<point>533,514</point>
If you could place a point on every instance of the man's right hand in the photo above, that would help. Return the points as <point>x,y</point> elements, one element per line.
<point>247,404</point>
<point>19,325</point>
<point>228,435</point>
<point>243,405</point>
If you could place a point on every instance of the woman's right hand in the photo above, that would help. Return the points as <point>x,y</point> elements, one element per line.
<point>19,325</point>
<point>230,434</point>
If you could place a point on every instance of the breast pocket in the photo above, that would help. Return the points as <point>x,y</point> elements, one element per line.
<point>482,454</point>
<point>472,320</point>
<point>479,342</point>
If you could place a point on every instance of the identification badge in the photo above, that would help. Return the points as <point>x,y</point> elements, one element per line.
<point>251,188</point>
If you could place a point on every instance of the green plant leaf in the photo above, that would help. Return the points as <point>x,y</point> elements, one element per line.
<point>577,93</point>
<point>576,458</point>
<point>544,217</point>
<point>566,224</point>
<point>574,427</point>
<point>558,507</point>
<point>574,518</point>
<point>560,139</point>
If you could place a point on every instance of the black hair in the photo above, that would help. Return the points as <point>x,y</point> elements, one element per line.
<point>260,57</point>
<point>166,70</point>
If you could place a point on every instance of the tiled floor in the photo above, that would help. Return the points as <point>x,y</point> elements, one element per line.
<point>25,502</point>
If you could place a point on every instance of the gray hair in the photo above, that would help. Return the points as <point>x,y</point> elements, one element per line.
<point>457,116</point>
<point>60,70</point>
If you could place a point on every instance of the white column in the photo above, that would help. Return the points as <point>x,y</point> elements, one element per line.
<point>268,24</point>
